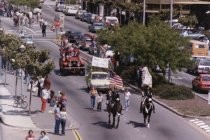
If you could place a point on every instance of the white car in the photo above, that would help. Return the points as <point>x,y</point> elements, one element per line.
<point>71,10</point>
<point>98,79</point>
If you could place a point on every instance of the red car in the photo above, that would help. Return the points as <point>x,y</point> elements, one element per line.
<point>201,82</point>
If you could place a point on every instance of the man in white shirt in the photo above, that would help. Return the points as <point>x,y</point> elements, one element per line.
<point>127,99</point>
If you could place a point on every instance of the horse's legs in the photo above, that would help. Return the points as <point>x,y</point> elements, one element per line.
<point>109,118</point>
<point>118,121</point>
<point>149,115</point>
<point>113,123</point>
<point>145,119</point>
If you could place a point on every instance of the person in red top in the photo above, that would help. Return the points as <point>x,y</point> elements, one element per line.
<point>30,135</point>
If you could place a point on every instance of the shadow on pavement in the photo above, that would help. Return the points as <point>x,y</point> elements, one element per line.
<point>136,124</point>
<point>21,112</point>
<point>103,124</point>
<point>5,97</point>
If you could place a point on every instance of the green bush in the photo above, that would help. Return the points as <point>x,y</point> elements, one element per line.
<point>158,79</point>
<point>173,92</point>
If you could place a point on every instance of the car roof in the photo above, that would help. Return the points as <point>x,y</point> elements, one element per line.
<point>99,72</point>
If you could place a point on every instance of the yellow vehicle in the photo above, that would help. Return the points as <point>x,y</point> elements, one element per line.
<point>198,48</point>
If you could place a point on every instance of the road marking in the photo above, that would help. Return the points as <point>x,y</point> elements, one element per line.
<point>76,134</point>
<point>201,125</point>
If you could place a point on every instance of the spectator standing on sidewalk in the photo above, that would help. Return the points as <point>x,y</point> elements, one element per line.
<point>43,136</point>
<point>63,117</point>
<point>93,93</point>
<point>30,135</point>
<point>40,85</point>
<point>127,99</point>
<point>44,27</point>
<point>57,118</point>
<point>44,98</point>
<point>99,101</point>
<point>63,100</point>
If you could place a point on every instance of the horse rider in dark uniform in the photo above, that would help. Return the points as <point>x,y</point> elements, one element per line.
<point>147,93</point>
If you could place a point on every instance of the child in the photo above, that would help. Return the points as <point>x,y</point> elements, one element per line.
<point>99,101</point>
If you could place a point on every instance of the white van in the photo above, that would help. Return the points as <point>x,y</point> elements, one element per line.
<point>111,21</point>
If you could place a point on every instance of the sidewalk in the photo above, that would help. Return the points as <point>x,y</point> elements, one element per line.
<point>20,119</point>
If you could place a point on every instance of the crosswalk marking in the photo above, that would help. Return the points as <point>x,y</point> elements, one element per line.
<point>202,125</point>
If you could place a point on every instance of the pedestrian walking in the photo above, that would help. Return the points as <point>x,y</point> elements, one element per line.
<point>99,99</point>
<point>44,27</point>
<point>127,99</point>
<point>43,136</point>
<point>30,135</point>
<point>63,117</point>
<point>44,98</point>
<point>53,98</point>
<point>57,118</point>
<point>93,93</point>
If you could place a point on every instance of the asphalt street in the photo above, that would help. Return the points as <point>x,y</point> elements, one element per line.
<point>93,125</point>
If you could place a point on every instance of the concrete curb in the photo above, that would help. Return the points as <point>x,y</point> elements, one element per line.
<point>169,108</point>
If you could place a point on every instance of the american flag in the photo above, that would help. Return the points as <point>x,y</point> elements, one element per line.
<point>116,80</point>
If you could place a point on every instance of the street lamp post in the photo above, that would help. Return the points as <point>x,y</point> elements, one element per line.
<point>171,12</point>
<point>22,48</point>
<point>144,11</point>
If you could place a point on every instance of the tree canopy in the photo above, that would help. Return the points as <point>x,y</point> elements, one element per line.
<point>155,44</point>
<point>35,62</point>
<point>29,3</point>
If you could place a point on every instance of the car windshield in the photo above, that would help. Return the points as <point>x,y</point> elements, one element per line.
<point>98,24</point>
<point>205,63</point>
<point>99,76</point>
<point>206,78</point>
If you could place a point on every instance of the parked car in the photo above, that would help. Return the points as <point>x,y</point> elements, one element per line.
<point>79,14</point>
<point>28,40</point>
<point>202,66</point>
<point>93,49</point>
<point>84,16</point>
<point>201,82</point>
<point>71,10</point>
<point>96,26</point>
<point>91,18</point>
<point>59,7</point>
<point>111,21</point>
<point>191,34</point>
<point>85,42</point>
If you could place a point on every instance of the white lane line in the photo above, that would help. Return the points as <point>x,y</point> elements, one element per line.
<point>200,124</point>
<point>204,126</point>
<point>193,120</point>
<point>197,122</point>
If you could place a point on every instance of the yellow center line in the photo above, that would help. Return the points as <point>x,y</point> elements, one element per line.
<point>76,134</point>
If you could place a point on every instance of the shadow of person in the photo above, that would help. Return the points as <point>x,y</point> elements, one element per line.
<point>103,124</point>
<point>136,124</point>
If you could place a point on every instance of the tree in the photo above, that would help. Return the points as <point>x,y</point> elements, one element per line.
<point>29,3</point>
<point>189,20</point>
<point>155,44</point>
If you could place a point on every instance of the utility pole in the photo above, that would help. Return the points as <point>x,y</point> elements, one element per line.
<point>171,12</point>
<point>144,11</point>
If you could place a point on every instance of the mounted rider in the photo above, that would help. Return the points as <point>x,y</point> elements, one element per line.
<point>146,93</point>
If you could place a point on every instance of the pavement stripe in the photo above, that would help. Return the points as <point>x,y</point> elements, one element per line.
<point>204,126</point>
<point>197,122</point>
<point>193,120</point>
<point>200,124</point>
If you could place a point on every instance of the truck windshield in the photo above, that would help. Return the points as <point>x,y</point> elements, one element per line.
<point>99,76</point>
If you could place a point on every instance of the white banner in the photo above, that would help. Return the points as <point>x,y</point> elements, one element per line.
<point>100,62</point>
<point>146,77</point>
